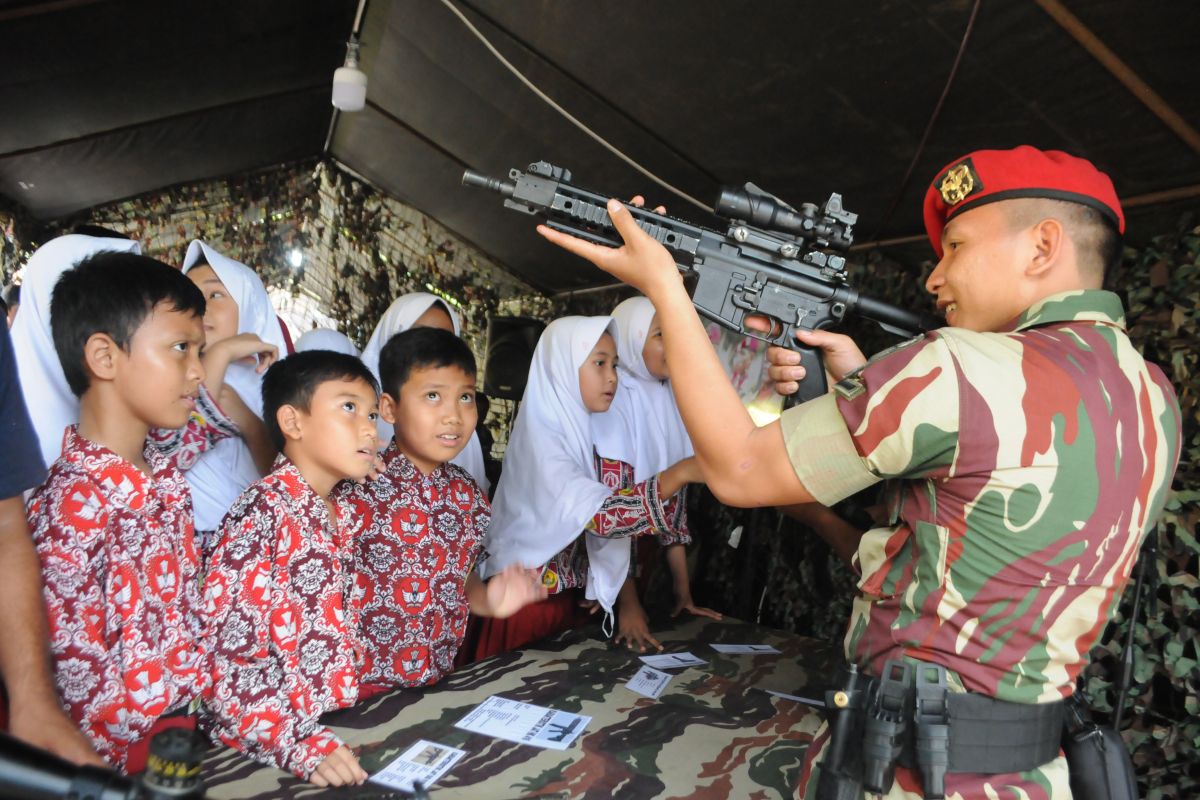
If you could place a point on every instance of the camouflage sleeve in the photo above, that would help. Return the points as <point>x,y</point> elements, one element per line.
<point>896,417</point>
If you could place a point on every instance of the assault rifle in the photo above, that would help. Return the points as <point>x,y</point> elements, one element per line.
<point>774,261</point>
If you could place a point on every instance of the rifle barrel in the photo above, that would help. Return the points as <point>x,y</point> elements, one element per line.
<point>902,318</point>
<point>472,178</point>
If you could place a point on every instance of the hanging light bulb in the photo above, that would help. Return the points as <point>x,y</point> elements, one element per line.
<point>350,82</point>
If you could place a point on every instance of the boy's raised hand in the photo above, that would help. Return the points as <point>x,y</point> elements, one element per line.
<point>340,768</point>
<point>642,262</point>
<point>512,589</point>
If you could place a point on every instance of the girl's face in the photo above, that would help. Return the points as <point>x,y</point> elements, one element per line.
<point>653,352</point>
<point>598,376</point>
<point>435,317</point>
<point>220,309</point>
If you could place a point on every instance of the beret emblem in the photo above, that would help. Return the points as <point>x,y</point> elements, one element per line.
<point>959,183</point>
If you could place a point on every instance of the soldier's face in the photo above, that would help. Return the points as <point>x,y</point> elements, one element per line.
<point>980,282</point>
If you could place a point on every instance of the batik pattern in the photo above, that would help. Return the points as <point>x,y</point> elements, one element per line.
<point>281,623</point>
<point>416,543</point>
<point>119,572</point>
<point>633,509</point>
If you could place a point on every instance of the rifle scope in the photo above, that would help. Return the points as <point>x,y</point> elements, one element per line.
<point>764,211</point>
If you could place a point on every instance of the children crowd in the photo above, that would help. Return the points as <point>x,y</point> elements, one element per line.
<point>240,539</point>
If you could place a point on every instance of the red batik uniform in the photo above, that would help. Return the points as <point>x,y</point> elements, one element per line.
<point>633,509</point>
<point>415,549</point>
<point>280,628</point>
<point>120,571</point>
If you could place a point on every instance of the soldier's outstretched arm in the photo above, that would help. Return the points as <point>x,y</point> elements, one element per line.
<point>743,465</point>
<point>840,535</point>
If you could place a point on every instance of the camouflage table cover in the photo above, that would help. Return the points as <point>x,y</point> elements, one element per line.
<point>713,733</point>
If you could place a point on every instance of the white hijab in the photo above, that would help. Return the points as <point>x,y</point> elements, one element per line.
<point>326,339</point>
<point>228,468</point>
<point>643,427</point>
<point>549,489</point>
<point>51,403</point>
<point>400,316</point>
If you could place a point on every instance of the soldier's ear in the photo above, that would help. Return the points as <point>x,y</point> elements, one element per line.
<point>387,408</point>
<point>291,422</point>
<point>1050,245</point>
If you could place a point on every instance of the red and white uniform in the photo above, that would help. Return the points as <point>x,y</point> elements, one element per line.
<point>281,621</point>
<point>120,577</point>
<point>418,543</point>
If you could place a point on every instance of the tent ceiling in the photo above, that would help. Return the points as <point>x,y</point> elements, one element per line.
<point>106,100</point>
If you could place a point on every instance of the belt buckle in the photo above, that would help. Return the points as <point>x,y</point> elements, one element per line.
<point>931,716</point>
<point>886,725</point>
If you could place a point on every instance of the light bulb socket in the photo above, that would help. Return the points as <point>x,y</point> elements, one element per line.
<point>350,82</point>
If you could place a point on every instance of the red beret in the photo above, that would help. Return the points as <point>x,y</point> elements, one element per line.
<point>988,175</point>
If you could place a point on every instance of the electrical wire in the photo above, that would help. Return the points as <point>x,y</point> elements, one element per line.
<point>568,116</point>
<point>937,110</point>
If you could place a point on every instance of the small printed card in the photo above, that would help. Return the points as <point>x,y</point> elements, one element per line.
<point>743,648</point>
<point>672,660</point>
<point>424,762</point>
<point>649,682</point>
<point>524,723</point>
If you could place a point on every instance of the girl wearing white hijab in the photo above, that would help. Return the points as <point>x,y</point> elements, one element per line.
<point>643,428</point>
<point>236,304</point>
<point>415,310</point>
<point>326,339</point>
<point>52,404</point>
<point>554,507</point>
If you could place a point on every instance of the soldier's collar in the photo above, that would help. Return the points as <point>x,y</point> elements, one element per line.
<point>1084,305</point>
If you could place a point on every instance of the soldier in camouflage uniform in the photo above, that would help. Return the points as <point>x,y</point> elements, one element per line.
<point>1028,446</point>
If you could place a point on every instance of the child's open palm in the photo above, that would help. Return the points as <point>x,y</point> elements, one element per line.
<point>512,589</point>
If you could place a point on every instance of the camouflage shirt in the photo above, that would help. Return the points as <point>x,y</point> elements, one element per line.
<point>1029,464</point>
<point>1034,461</point>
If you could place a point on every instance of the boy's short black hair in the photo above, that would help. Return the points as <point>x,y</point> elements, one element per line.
<point>292,381</point>
<point>112,292</point>
<point>421,348</point>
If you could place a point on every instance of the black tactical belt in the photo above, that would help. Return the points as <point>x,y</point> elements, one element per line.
<point>907,717</point>
<point>993,736</point>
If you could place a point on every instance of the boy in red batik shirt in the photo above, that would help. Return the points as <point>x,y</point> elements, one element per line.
<point>280,628</point>
<point>113,521</point>
<point>423,520</point>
